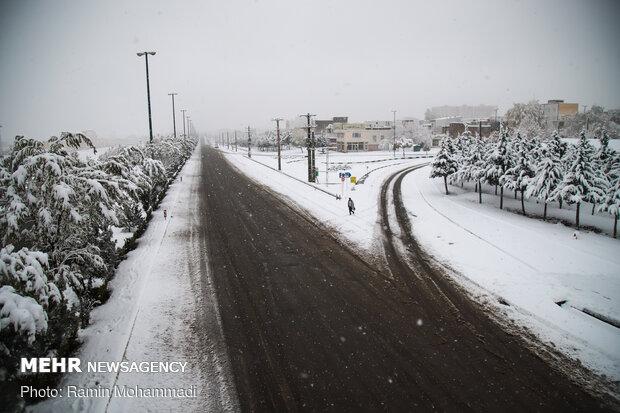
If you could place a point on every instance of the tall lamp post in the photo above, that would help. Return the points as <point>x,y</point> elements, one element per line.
<point>174,115</point>
<point>183,111</point>
<point>148,90</point>
<point>189,129</point>
<point>394,126</point>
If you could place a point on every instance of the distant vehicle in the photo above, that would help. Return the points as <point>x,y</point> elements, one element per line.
<point>217,146</point>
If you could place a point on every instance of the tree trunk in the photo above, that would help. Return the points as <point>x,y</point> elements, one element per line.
<point>476,187</point>
<point>593,206</point>
<point>522,203</point>
<point>495,189</point>
<point>560,201</point>
<point>501,197</point>
<point>615,224</point>
<point>445,182</point>
<point>479,192</point>
<point>515,194</point>
<point>577,215</point>
<point>545,212</point>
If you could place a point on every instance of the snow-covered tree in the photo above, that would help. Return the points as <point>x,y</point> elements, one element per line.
<point>547,174</point>
<point>610,201</point>
<point>605,156</point>
<point>518,176</point>
<point>581,181</point>
<point>528,118</point>
<point>444,164</point>
<point>595,120</point>
<point>498,162</point>
<point>471,168</point>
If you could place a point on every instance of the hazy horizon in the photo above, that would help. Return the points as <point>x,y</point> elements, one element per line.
<point>72,65</point>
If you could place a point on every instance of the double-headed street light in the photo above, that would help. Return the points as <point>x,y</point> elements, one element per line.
<point>148,90</point>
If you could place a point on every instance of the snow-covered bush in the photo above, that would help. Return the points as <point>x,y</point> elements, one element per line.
<point>56,215</point>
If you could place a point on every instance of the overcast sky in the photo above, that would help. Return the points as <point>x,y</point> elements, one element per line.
<point>72,65</point>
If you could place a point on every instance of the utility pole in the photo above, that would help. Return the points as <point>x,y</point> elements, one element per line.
<point>148,90</point>
<point>189,130</point>
<point>227,141</point>
<point>249,143</point>
<point>310,146</point>
<point>277,121</point>
<point>174,115</point>
<point>394,145</point>
<point>184,135</point>
<point>235,141</point>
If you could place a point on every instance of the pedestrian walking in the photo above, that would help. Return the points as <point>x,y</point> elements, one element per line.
<point>351,207</point>
<point>165,214</point>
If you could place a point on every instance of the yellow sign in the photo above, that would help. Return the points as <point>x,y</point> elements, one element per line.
<point>353,180</point>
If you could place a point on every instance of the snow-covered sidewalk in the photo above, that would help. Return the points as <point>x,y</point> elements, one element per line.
<point>528,263</point>
<point>155,313</point>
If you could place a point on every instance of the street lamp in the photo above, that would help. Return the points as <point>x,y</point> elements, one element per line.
<point>148,90</point>
<point>174,115</point>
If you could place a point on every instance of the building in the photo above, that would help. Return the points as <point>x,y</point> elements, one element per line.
<point>350,137</point>
<point>320,125</point>
<point>556,111</point>
<point>463,111</point>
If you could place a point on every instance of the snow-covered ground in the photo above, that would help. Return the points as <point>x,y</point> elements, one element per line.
<point>154,314</point>
<point>528,263</point>
<point>360,228</point>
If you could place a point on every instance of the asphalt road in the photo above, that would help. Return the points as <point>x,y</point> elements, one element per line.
<point>310,326</point>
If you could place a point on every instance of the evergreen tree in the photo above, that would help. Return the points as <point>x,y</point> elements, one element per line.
<point>498,163</point>
<point>547,174</point>
<point>610,201</point>
<point>472,167</point>
<point>518,176</point>
<point>444,163</point>
<point>581,181</point>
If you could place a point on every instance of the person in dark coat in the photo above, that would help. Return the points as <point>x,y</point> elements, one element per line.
<point>351,207</point>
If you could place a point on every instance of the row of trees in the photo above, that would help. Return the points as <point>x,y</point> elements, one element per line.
<point>56,214</point>
<point>550,170</point>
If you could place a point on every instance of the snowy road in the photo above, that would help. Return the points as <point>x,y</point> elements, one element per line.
<point>309,325</point>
